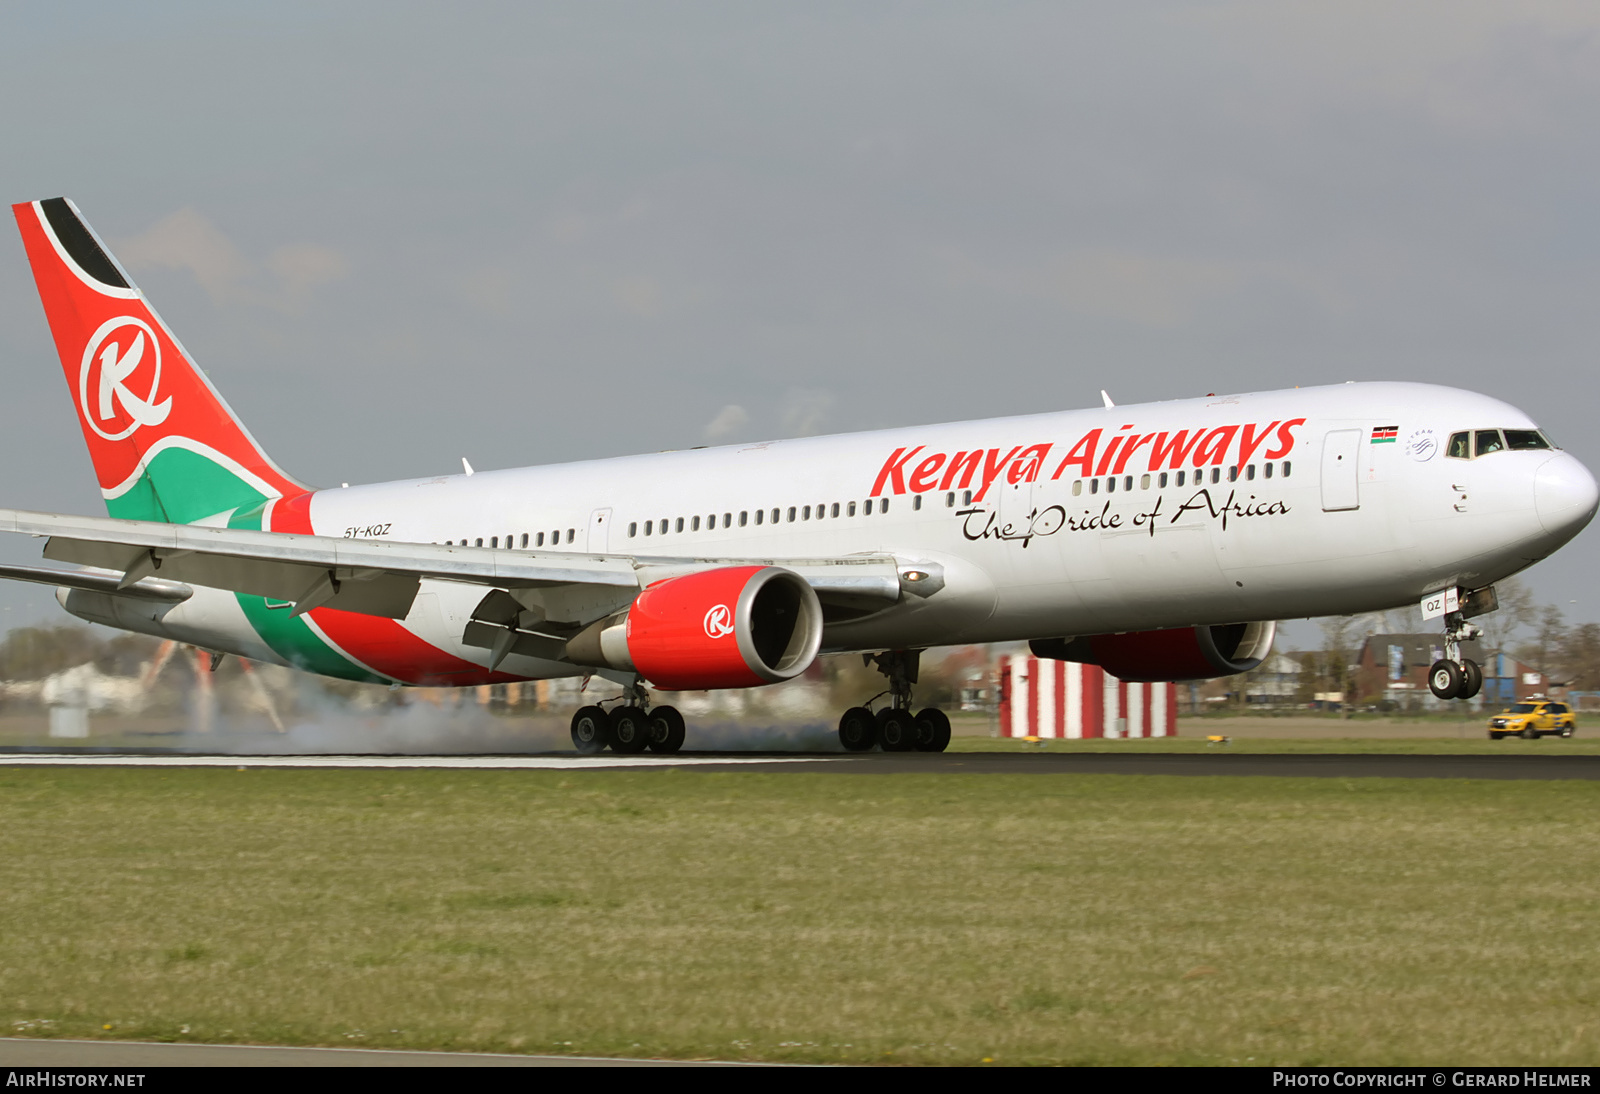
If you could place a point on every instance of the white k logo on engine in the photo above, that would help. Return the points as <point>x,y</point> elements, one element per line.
<point>719,622</point>
<point>114,400</point>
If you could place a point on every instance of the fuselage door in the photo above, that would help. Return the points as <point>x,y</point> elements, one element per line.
<point>600,532</point>
<point>1340,476</point>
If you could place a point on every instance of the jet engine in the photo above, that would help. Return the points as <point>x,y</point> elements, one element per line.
<point>733,627</point>
<point>1183,653</point>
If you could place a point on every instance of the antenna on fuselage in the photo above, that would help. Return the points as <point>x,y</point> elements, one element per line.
<point>1106,398</point>
<point>465,466</point>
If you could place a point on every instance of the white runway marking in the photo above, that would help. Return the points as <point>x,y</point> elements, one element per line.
<point>514,762</point>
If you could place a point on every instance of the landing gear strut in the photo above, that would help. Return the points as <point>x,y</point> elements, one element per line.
<point>894,727</point>
<point>630,728</point>
<point>1454,676</point>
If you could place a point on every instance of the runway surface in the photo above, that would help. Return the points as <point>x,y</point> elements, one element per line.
<point>22,1052</point>
<point>1318,765</point>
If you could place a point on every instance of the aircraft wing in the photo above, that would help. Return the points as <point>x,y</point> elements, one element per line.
<point>381,577</point>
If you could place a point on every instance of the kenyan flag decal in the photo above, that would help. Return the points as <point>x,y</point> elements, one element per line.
<point>1385,434</point>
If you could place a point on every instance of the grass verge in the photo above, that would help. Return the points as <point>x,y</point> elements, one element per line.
<point>905,918</point>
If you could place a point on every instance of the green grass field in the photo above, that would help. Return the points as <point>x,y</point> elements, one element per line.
<point>808,917</point>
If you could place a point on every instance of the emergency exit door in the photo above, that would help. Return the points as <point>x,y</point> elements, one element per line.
<point>1340,478</point>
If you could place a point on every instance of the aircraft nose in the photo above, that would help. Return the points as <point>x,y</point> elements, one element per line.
<point>1564,494</point>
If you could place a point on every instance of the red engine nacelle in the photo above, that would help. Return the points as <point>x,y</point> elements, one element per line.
<point>1184,653</point>
<point>734,627</point>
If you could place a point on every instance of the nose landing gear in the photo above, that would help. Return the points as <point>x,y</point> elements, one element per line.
<point>1454,676</point>
<point>895,728</point>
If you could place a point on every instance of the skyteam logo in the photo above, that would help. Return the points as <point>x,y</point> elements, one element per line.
<point>719,622</point>
<point>120,379</point>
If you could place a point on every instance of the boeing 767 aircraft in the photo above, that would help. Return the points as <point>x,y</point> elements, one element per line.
<point>1160,541</point>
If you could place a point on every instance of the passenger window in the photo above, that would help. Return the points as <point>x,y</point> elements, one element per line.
<point>478,542</point>
<point>1127,482</point>
<point>1520,439</point>
<point>883,505</point>
<point>1094,486</point>
<point>494,541</point>
<point>1077,488</point>
<point>539,539</point>
<point>866,508</point>
<point>1285,468</point>
<point>791,514</point>
<point>572,534</point>
<point>850,510</point>
<point>1180,478</point>
<point>835,511</point>
<point>950,499</point>
<point>916,501</point>
<point>744,515</point>
<point>805,514</point>
<point>633,530</point>
<point>1144,482</point>
<point>727,520</point>
<point>1233,473</point>
<point>1266,470</point>
<point>1161,480</point>
<point>1216,474</point>
<point>966,497</point>
<point>1250,472</point>
<point>1111,485</point>
<point>694,525</point>
<point>761,515</point>
<point>774,516</point>
<point>677,525</point>
<point>525,540</point>
<point>1460,446</point>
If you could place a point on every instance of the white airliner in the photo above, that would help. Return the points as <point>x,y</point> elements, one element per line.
<point>1159,541</point>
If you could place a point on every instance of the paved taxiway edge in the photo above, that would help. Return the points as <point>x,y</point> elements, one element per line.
<point>40,1052</point>
<point>1290,765</point>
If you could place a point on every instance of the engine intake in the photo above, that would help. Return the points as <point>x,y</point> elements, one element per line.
<point>733,627</point>
<point>1183,653</point>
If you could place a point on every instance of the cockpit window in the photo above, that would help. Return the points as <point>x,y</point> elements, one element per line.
<point>1489,441</point>
<point>1460,447</point>
<point>1517,439</point>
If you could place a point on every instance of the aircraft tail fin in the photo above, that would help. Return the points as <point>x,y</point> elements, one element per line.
<point>165,445</point>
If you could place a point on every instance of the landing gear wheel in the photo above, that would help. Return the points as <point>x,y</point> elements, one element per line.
<point>630,730</point>
<point>858,730</point>
<point>1530,734</point>
<point>933,730</point>
<point>1445,680</point>
<point>666,729</point>
<point>591,730</point>
<point>1471,679</point>
<point>897,730</point>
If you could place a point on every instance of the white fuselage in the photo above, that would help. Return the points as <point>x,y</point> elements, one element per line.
<point>1352,518</point>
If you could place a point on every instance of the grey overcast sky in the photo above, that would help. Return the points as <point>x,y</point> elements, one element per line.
<point>396,234</point>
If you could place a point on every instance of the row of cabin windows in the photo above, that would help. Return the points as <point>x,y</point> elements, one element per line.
<point>536,539</point>
<point>1481,442</point>
<point>825,511</point>
<point>1197,477</point>
<point>835,510</point>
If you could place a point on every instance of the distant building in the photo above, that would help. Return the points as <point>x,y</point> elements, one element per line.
<point>1274,682</point>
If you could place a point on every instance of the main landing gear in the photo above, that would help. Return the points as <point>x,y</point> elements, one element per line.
<point>1454,676</point>
<point>894,727</point>
<point>630,728</point>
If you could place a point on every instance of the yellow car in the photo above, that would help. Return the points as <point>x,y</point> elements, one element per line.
<point>1533,719</point>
